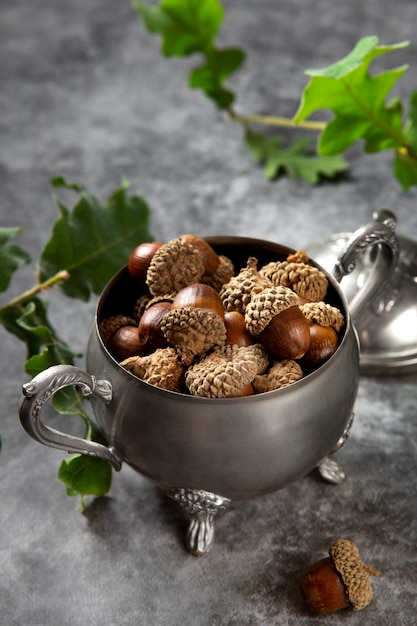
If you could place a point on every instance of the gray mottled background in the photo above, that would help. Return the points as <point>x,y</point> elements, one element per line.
<point>85,93</point>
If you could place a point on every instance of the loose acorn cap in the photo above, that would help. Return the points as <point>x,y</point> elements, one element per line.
<point>193,331</point>
<point>226,370</point>
<point>354,572</point>
<point>163,368</point>
<point>237,293</point>
<point>306,280</point>
<point>267,304</point>
<point>174,265</point>
<point>323,314</point>
<point>280,374</point>
<point>109,325</point>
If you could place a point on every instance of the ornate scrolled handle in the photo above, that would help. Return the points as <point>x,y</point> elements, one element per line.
<point>41,388</point>
<point>378,237</point>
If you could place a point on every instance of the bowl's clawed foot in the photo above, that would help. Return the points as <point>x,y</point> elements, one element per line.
<point>331,471</point>
<point>202,508</point>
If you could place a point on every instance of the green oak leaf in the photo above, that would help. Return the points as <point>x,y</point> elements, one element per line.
<point>11,256</point>
<point>357,99</point>
<point>216,68</point>
<point>29,322</point>
<point>186,26</point>
<point>84,475</point>
<point>293,160</point>
<point>94,240</point>
<point>191,26</point>
<point>405,164</point>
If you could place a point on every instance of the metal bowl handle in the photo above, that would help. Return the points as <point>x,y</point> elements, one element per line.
<point>41,388</point>
<point>379,239</point>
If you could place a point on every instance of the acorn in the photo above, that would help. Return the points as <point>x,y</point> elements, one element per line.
<point>201,296</point>
<point>140,258</point>
<point>173,266</point>
<point>209,258</point>
<point>150,335</point>
<point>339,581</point>
<point>236,331</point>
<point>120,335</point>
<point>275,317</point>
<point>325,322</point>
<point>124,342</point>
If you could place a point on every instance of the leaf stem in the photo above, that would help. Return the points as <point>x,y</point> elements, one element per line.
<point>268,120</point>
<point>55,280</point>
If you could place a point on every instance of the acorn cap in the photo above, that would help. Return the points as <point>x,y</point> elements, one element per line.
<point>266,305</point>
<point>222,275</point>
<point>193,331</point>
<point>280,374</point>
<point>140,305</point>
<point>306,280</point>
<point>226,370</point>
<point>323,314</point>
<point>299,256</point>
<point>354,572</point>
<point>237,293</point>
<point>174,265</point>
<point>109,325</point>
<point>163,368</point>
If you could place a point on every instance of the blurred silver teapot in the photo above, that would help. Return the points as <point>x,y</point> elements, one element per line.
<point>207,452</point>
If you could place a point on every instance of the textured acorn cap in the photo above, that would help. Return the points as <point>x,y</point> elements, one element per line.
<point>306,280</point>
<point>299,256</point>
<point>280,374</point>
<point>140,305</point>
<point>266,305</point>
<point>174,265</point>
<point>226,370</point>
<point>163,368</point>
<point>193,331</point>
<point>109,325</point>
<point>354,572</point>
<point>323,314</point>
<point>237,293</point>
<point>222,275</point>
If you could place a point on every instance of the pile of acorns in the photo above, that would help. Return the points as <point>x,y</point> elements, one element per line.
<point>199,327</point>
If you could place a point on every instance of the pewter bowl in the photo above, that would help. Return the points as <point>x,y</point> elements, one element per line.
<point>207,452</point>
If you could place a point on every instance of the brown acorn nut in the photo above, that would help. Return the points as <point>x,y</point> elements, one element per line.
<point>209,258</point>
<point>275,317</point>
<point>150,335</point>
<point>120,335</point>
<point>199,295</point>
<point>236,331</point>
<point>140,258</point>
<point>124,342</point>
<point>338,581</point>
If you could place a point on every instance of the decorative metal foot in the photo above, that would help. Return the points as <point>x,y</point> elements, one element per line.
<point>329,469</point>
<point>201,507</point>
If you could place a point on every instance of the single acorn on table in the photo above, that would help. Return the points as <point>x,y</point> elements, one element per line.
<point>338,581</point>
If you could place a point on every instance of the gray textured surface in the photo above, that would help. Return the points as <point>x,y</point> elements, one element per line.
<point>85,93</point>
